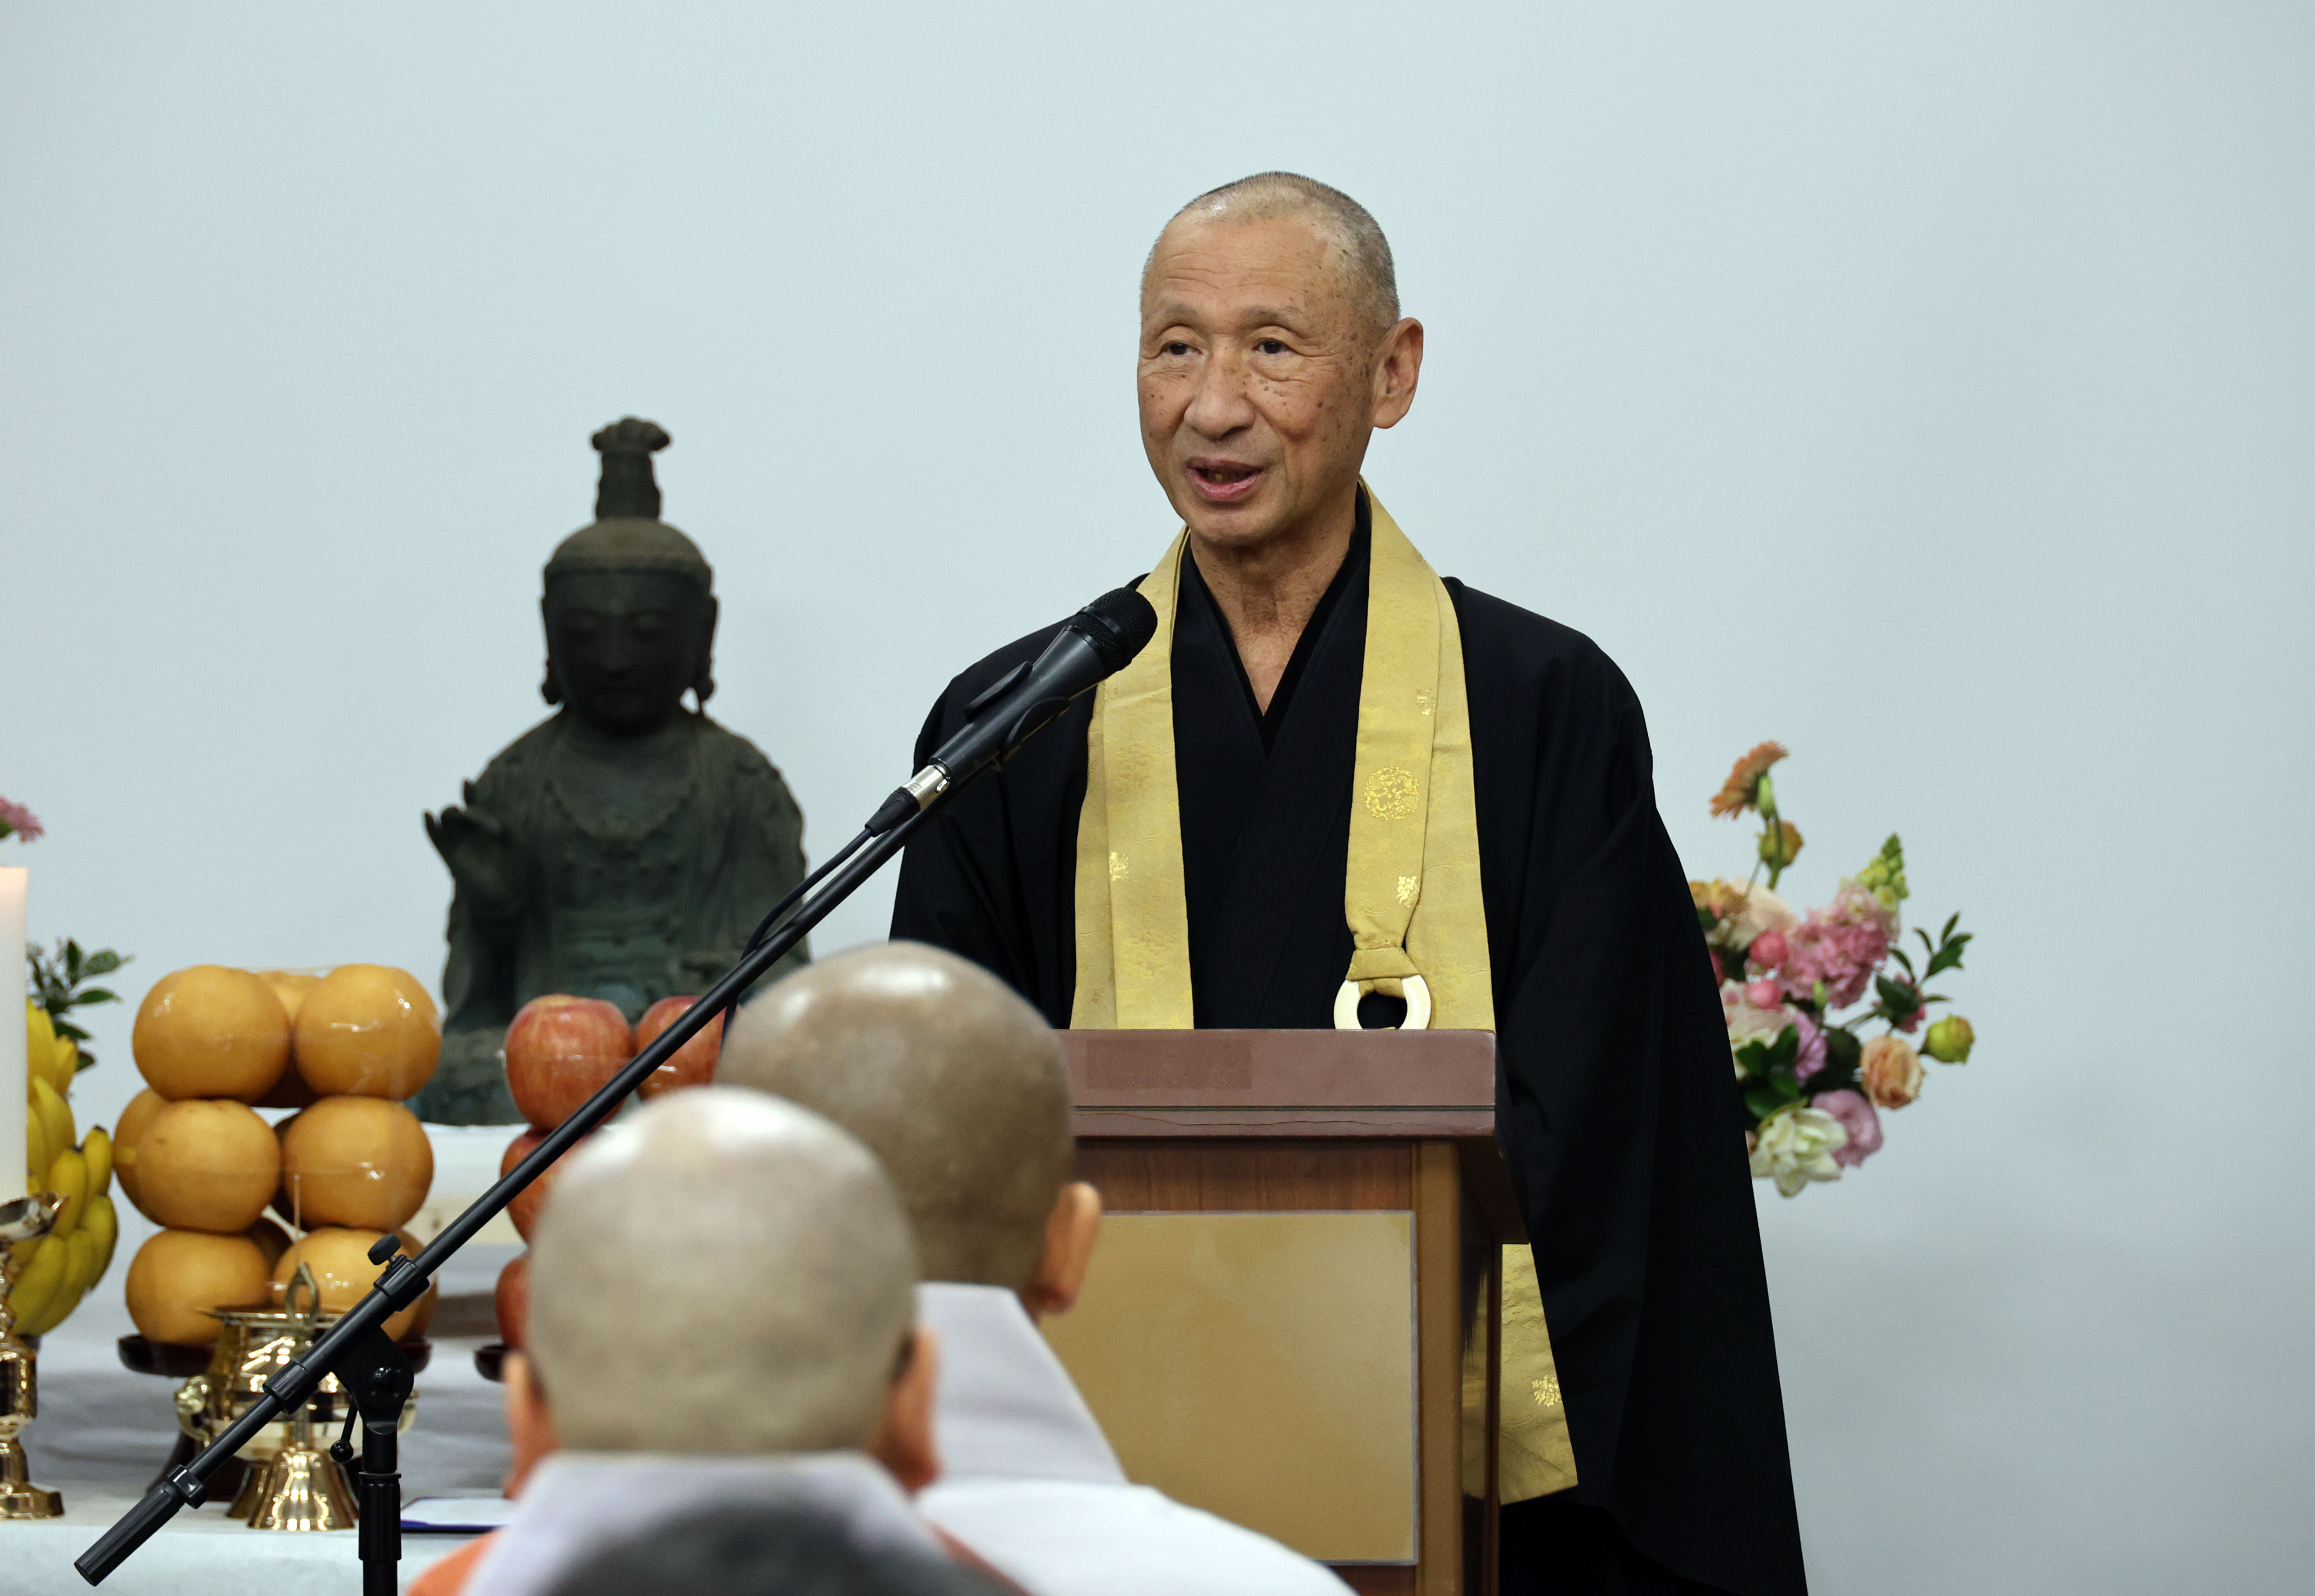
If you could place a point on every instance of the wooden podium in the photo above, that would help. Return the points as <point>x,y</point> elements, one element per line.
<point>1303,1238</point>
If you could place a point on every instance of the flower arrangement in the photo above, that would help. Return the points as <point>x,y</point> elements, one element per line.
<point>1813,1083</point>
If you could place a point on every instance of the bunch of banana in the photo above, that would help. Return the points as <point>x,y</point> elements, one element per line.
<point>63,1265</point>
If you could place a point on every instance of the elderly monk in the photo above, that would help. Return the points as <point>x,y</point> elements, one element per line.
<point>721,1315</point>
<point>1337,790</point>
<point>957,1085</point>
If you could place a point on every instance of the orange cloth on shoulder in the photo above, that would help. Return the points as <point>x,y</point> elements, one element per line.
<point>449,1576</point>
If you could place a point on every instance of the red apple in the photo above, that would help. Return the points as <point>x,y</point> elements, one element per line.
<point>694,1064</point>
<point>560,1051</point>
<point>524,1209</point>
<point>512,1300</point>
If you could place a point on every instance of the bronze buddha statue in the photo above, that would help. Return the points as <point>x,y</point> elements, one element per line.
<point>623,848</point>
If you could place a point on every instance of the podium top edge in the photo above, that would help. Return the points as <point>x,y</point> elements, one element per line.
<point>1254,1070</point>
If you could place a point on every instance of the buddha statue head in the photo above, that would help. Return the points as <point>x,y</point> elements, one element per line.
<point>629,608</point>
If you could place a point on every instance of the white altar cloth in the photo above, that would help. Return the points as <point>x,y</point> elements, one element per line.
<point>200,1552</point>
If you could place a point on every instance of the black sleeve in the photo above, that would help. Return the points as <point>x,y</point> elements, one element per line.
<point>992,875</point>
<point>1620,1118</point>
<point>1625,1137</point>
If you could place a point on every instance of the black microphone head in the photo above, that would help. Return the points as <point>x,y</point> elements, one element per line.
<point>1119,624</point>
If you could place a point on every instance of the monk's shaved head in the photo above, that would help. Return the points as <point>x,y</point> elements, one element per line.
<point>721,1272</point>
<point>1357,250</point>
<point>953,1081</point>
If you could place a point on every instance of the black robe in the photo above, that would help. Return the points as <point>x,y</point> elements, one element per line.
<point>1617,1103</point>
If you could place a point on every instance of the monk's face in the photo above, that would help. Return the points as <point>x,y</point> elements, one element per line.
<point>625,644</point>
<point>1261,379</point>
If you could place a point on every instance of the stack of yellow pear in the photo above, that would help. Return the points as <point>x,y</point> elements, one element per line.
<point>195,1156</point>
<point>63,1265</point>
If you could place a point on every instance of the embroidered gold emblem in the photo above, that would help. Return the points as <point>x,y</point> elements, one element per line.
<point>1406,885</point>
<point>1116,867</point>
<point>1425,698</point>
<point>1547,1391</point>
<point>1392,794</point>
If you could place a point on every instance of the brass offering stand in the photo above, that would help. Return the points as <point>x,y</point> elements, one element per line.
<point>290,1484</point>
<point>1093,644</point>
<point>220,1382</point>
<point>21,1222</point>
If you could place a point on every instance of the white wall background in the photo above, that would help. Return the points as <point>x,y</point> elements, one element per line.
<point>1932,388</point>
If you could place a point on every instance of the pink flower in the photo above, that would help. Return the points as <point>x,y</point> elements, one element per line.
<point>1768,950</point>
<point>1856,1117</point>
<point>17,820</point>
<point>1762,994</point>
<point>1812,1055</point>
<point>1840,945</point>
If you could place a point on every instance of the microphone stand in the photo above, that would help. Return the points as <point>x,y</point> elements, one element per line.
<point>357,1349</point>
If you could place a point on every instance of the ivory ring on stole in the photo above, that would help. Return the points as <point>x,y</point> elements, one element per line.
<point>1418,1006</point>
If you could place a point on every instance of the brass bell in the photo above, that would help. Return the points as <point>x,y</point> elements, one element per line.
<point>301,1486</point>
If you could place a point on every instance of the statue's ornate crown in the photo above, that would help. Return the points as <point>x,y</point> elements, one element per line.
<point>627,534</point>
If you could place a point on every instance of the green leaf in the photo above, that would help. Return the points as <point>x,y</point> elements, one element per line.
<point>1948,956</point>
<point>1833,1078</point>
<point>1899,1001</point>
<point>1766,1097</point>
<point>1902,957</point>
<point>1950,924</point>
<point>72,962</point>
<point>66,1028</point>
<point>95,995</point>
<point>87,1061</point>
<point>104,962</point>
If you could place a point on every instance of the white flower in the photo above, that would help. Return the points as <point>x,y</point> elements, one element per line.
<point>1795,1146</point>
<point>1762,911</point>
<point>1746,1021</point>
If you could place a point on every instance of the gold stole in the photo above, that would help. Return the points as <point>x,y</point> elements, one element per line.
<point>1411,895</point>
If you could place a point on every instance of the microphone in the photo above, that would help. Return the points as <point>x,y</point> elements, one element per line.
<point>1092,646</point>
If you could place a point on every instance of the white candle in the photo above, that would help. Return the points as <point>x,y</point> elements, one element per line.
<point>14,1085</point>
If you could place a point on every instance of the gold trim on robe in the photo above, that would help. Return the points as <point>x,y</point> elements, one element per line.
<point>1411,892</point>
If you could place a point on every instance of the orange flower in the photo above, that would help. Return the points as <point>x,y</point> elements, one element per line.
<point>1718,898</point>
<point>1890,1071</point>
<point>1781,845</point>
<point>1741,790</point>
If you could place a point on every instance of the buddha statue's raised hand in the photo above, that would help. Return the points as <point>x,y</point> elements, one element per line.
<point>484,861</point>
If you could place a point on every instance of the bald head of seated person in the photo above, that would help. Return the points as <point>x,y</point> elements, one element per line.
<point>721,1313</point>
<point>957,1085</point>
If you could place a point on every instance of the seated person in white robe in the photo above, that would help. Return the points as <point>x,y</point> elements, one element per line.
<point>956,1083</point>
<point>722,1314</point>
